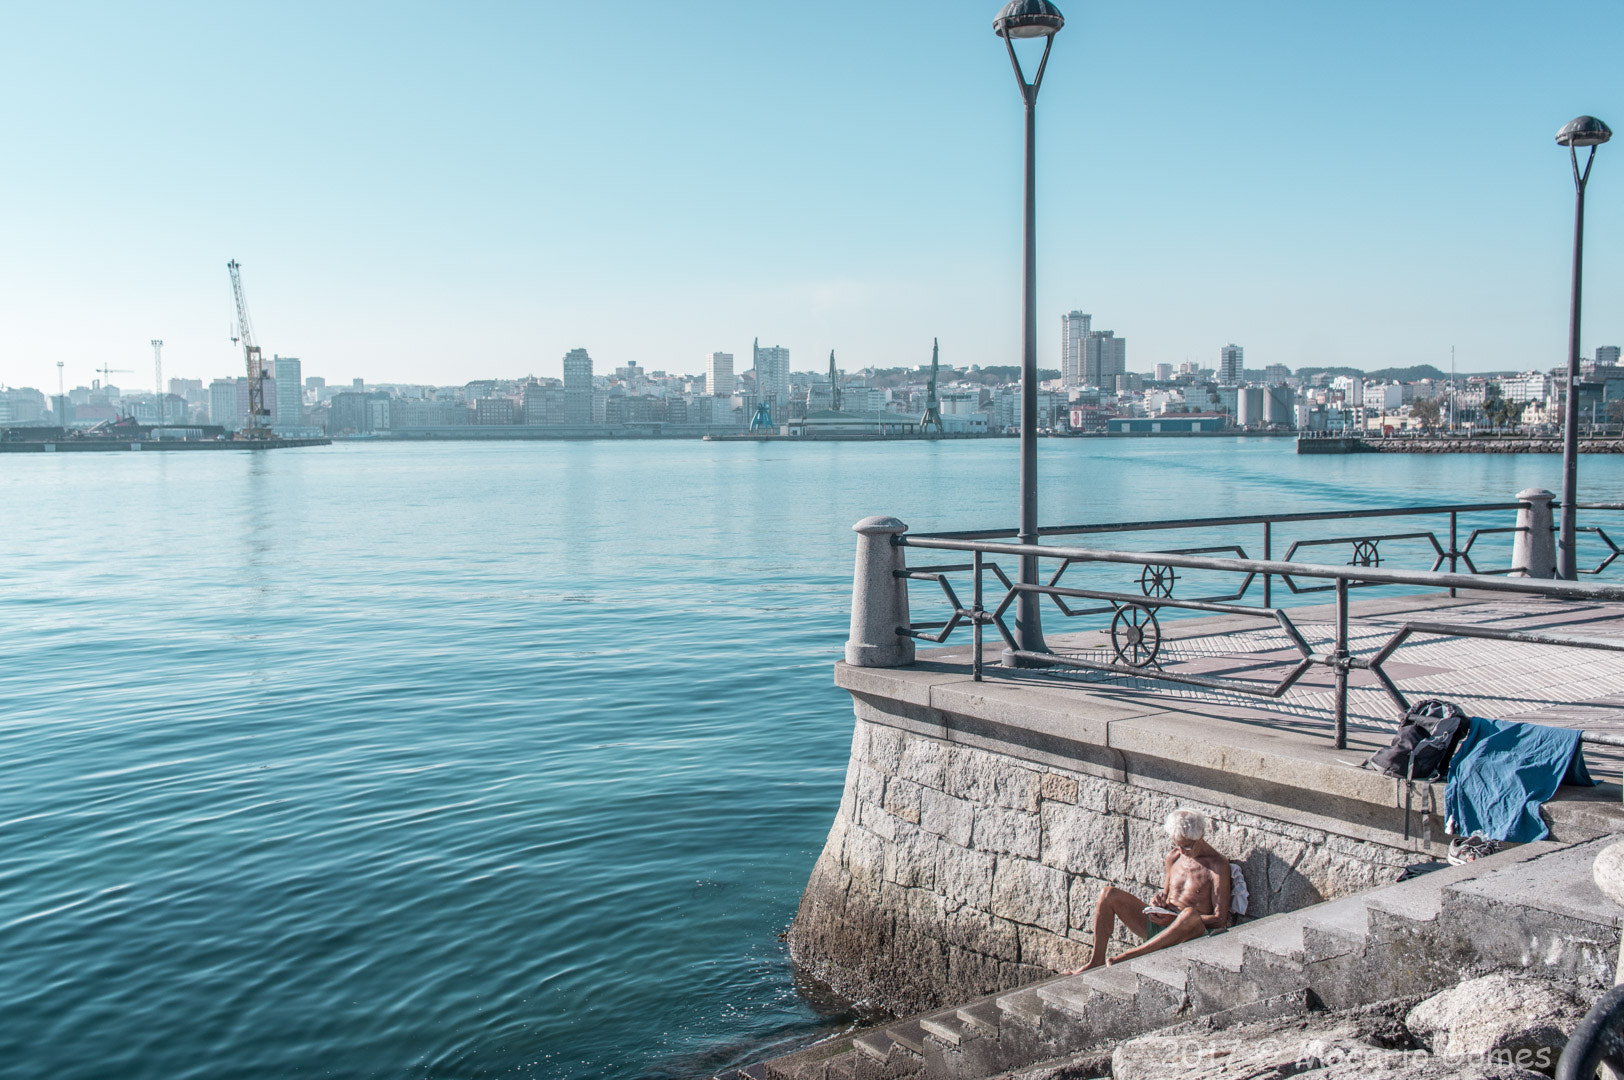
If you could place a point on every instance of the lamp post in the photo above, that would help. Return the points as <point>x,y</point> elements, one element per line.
<point>1583,131</point>
<point>1029,19</point>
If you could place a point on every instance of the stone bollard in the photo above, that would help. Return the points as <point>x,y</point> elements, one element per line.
<point>879,599</point>
<point>1609,874</point>
<point>1535,546</point>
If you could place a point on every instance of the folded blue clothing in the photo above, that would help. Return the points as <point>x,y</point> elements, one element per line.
<point>1504,771</point>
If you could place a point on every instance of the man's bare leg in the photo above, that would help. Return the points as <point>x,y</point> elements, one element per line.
<point>1188,925</point>
<point>1114,904</point>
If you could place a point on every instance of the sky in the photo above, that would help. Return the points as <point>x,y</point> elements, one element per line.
<point>437,192</point>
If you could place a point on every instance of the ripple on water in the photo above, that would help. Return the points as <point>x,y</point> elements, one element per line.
<point>471,761</point>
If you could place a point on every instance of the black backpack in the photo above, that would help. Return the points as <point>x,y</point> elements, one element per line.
<point>1426,740</point>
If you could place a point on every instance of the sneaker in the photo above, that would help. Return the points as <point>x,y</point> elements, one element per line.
<point>1465,849</point>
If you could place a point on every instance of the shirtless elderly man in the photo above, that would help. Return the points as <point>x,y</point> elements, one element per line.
<point>1197,893</point>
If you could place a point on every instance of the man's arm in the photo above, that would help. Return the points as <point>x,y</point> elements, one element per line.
<point>1221,884</point>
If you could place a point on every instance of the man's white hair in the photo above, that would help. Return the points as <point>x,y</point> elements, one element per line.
<point>1185,825</point>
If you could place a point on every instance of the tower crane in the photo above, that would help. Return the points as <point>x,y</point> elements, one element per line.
<point>258,413</point>
<point>106,371</point>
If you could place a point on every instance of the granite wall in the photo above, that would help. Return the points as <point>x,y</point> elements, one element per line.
<point>952,872</point>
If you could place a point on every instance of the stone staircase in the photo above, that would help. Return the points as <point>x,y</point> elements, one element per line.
<point>1534,907</point>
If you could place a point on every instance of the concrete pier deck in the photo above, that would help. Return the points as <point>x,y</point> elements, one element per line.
<point>1288,740</point>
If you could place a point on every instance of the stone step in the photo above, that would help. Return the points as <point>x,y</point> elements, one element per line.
<point>949,1027</point>
<point>1563,883</point>
<point>983,1016</point>
<point>1222,951</point>
<point>1165,967</point>
<point>875,1044</point>
<point>1116,980</point>
<point>909,1033</point>
<point>1024,1004</point>
<point>1421,898</point>
<point>1505,912</point>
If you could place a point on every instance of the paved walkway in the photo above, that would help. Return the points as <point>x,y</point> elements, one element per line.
<point>1547,684</point>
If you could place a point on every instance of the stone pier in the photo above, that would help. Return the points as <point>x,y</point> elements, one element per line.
<point>980,820</point>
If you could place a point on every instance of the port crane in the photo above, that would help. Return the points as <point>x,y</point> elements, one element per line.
<point>933,408</point>
<point>763,420</point>
<point>258,412</point>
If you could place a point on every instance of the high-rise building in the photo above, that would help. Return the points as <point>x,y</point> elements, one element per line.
<point>578,387</point>
<point>1606,355</point>
<point>1073,347</point>
<point>223,403</point>
<point>1164,372</point>
<point>1105,356</point>
<point>289,406</point>
<point>719,374</point>
<point>772,378</point>
<point>1231,365</point>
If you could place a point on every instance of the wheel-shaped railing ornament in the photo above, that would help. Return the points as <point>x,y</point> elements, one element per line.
<point>1366,553</point>
<point>1136,636</point>
<point>1157,581</point>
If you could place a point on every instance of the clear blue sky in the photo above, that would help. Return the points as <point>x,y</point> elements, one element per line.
<point>438,192</point>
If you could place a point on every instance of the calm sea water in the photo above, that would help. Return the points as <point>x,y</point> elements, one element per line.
<point>475,760</point>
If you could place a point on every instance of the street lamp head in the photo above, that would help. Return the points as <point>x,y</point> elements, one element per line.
<point>1584,131</point>
<point>1028,19</point>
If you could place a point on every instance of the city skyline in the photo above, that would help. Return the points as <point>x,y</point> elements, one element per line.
<point>409,235</point>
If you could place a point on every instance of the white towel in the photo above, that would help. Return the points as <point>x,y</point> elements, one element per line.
<point>1237,890</point>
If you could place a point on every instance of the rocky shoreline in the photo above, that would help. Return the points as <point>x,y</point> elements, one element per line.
<point>1496,445</point>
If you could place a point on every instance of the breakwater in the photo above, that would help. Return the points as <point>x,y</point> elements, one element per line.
<point>1499,444</point>
<point>113,446</point>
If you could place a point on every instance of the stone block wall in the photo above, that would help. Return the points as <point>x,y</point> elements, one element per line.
<point>952,872</point>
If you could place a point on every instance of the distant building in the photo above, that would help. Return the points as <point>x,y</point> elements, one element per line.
<point>1105,356</point>
<point>22,405</point>
<point>289,394</point>
<point>771,365</point>
<point>544,403</point>
<point>223,404</point>
<point>719,380</point>
<point>1276,373</point>
<point>353,412</point>
<point>1073,347</point>
<point>1606,355</point>
<point>1530,386</point>
<point>1156,425</point>
<point>496,410</point>
<point>578,387</point>
<point>1164,372</point>
<point>1231,365</point>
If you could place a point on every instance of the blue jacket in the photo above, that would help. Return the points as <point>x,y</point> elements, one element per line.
<point>1504,771</point>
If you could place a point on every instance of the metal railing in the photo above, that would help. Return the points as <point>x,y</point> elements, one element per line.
<point>1136,631</point>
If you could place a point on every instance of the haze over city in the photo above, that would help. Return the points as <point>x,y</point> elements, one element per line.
<point>425,194</point>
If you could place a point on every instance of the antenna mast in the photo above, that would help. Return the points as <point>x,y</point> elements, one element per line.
<point>257,412</point>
